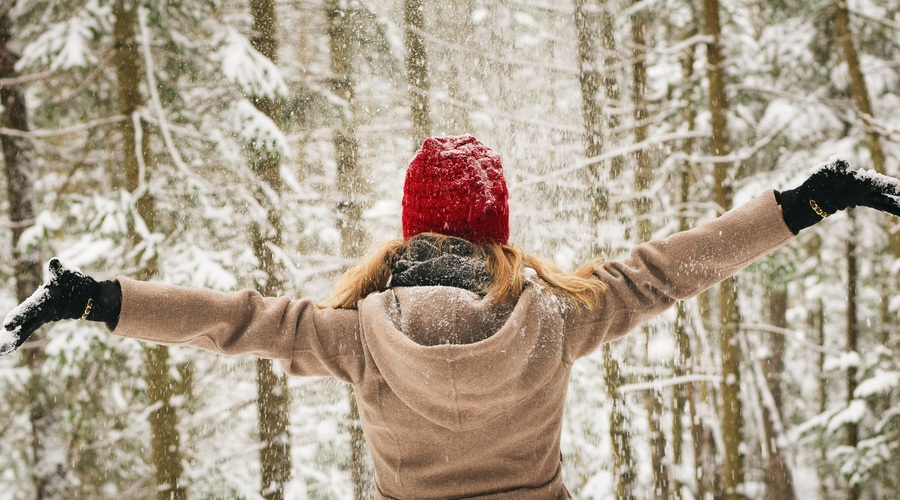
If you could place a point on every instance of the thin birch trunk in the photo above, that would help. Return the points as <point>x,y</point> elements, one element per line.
<point>165,439</point>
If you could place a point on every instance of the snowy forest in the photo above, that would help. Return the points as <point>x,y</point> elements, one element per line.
<point>262,144</point>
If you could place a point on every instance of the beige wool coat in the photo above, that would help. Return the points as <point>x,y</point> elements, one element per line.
<point>458,420</point>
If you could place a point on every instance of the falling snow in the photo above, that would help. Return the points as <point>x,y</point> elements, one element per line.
<point>510,74</point>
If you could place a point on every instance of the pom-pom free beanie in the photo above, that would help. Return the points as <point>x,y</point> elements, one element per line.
<point>455,187</point>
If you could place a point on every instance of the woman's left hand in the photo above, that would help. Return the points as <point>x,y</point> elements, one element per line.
<point>835,186</point>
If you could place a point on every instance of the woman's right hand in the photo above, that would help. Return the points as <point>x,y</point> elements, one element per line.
<point>68,294</point>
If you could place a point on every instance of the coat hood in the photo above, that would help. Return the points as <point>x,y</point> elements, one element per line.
<point>457,358</point>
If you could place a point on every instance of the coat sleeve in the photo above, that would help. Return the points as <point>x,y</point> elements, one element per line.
<point>661,272</point>
<point>306,339</point>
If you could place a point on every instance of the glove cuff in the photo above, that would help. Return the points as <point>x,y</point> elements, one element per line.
<point>799,210</point>
<point>106,303</point>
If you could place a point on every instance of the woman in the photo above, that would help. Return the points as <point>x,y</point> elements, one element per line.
<point>458,345</point>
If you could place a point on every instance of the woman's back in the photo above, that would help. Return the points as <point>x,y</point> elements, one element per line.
<point>446,418</point>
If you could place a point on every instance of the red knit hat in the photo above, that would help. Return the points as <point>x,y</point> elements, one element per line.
<point>454,186</point>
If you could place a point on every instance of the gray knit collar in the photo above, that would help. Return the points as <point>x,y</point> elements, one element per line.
<point>454,263</point>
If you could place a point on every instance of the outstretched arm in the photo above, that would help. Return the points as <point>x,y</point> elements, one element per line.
<point>306,339</point>
<point>659,273</point>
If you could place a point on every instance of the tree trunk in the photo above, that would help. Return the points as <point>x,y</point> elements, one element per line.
<point>729,314</point>
<point>273,399</point>
<point>588,25</point>
<point>417,69</point>
<point>818,324</point>
<point>458,28</point>
<point>779,479</point>
<point>164,435</point>
<point>599,92</point>
<point>732,407</point>
<point>680,368</point>
<point>165,440</point>
<point>274,430</point>
<point>858,83</point>
<point>704,461</point>
<point>361,472</point>
<point>623,466</point>
<point>863,102</point>
<point>860,92</point>
<point>49,468</point>
<point>587,28</point>
<point>854,490</point>
<point>643,179</point>
<point>351,186</point>
<point>611,86</point>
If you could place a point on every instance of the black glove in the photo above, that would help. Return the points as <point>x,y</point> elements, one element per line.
<point>835,187</point>
<point>68,295</point>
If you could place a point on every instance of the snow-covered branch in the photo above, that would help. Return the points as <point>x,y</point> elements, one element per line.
<point>25,79</point>
<point>659,384</point>
<point>613,153</point>
<point>791,335</point>
<point>154,96</point>
<point>878,20</point>
<point>74,129</point>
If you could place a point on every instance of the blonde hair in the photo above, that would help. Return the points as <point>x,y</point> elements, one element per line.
<point>506,265</point>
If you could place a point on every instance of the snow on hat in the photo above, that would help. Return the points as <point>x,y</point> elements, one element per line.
<point>455,186</point>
